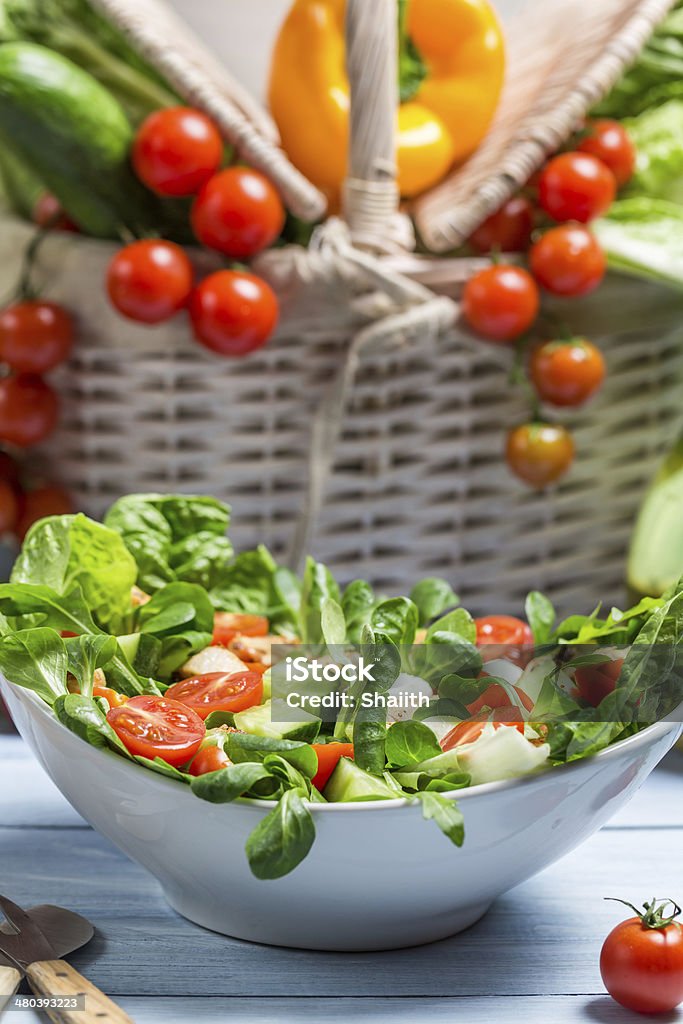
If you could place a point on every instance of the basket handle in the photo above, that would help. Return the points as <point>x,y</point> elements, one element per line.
<point>371,196</point>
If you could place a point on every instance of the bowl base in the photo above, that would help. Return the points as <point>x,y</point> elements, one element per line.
<point>295,935</point>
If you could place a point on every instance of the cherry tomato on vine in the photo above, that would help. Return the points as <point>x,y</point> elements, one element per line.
<point>568,261</point>
<point>576,186</point>
<point>641,961</point>
<point>176,151</point>
<point>150,281</point>
<point>233,313</point>
<point>507,230</point>
<point>611,143</point>
<point>49,500</point>
<point>210,759</point>
<point>539,453</point>
<point>49,214</point>
<point>35,336</point>
<point>501,302</point>
<point>9,507</point>
<point>218,691</point>
<point>29,410</point>
<point>238,212</point>
<point>158,727</point>
<point>567,373</point>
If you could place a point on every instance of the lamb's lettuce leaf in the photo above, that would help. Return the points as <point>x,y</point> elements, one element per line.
<point>432,597</point>
<point>180,615</point>
<point>36,659</point>
<point>318,585</point>
<point>87,653</point>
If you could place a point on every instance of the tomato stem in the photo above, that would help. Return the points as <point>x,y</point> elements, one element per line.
<point>653,916</point>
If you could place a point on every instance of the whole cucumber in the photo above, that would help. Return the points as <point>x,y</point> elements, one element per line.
<point>75,137</point>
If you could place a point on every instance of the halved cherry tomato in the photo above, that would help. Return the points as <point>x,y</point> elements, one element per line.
<point>238,212</point>
<point>228,625</point>
<point>35,336</point>
<point>176,151</point>
<point>114,699</point>
<point>495,697</point>
<point>540,453</point>
<point>470,731</point>
<point>218,691</point>
<point>595,682</point>
<point>507,230</point>
<point>501,302</point>
<point>576,186</point>
<point>210,759</point>
<point>151,726</point>
<point>610,142</point>
<point>329,755</point>
<point>567,373</point>
<point>509,635</point>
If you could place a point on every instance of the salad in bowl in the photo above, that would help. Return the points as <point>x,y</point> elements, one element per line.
<point>151,641</point>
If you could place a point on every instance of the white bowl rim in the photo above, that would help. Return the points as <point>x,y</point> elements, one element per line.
<point>656,730</point>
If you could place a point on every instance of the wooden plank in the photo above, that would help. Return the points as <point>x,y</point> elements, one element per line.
<point>541,939</point>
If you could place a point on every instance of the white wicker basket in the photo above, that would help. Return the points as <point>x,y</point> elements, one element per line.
<point>371,428</point>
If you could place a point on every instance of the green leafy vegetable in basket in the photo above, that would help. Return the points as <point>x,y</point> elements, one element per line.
<point>184,679</point>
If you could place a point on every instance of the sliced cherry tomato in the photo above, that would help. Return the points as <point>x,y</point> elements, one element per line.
<point>595,682</point>
<point>228,625</point>
<point>176,151</point>
<point>568,261</point>
<point>507,230</point>
<point>495,697</point>
<point>611,143</point>
<point>40,503</point>
<point>218,691</point>
<point>641,961</point>
<point>511,638</point>
<point>35,336</point>
<point>150,281</point>
<point>113,698</point>
<point>29,410</point>
<point>49,214</point>
<point>233,313</point>
<point>329,755</point>
<point>209,759</point>
<point>567,373</point>
<point>9,507</point>
<point>470,731</point>
<point>540,453</point>
<point>238,212</point>
<point>576,186</point>
<point>151,726</point>
<point>501,302</point>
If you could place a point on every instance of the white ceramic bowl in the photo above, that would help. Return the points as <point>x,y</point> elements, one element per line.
<point>378,876</point>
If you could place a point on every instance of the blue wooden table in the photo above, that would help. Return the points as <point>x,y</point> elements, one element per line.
<point>534,957</point>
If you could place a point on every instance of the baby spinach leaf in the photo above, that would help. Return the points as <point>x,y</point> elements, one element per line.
<point>35,659</point>
<point>432,597</point>
<point>357,603</point>
<point>227,784</point>
<point>409,743</point>
<point>540,616</point>
<point>318,585</point>
<point>369,737</point>
<point>282,839</point>
<point>397,618</point>
<point>459,622</point>
<point>445,813</point>
<point>87,653</point>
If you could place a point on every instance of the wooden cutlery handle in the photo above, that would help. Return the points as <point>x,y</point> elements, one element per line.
<point>10,980</point>
<point>58,979</point>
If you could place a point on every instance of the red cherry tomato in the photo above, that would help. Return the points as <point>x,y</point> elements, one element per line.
<point>329,756</point>
<point>568,261</point>
<point>228,625</point>
<point>150,281</point>
<point>611,143</point>
<point>507,230</point>
<point>151,726</point>
<point>576,186</point>
<point>210,759</point>
<point>29,410</point>
<point>641,961</point>
<point>233,313</point>
<point>470,731</point>
<point>238,212</point>
<point>218,691</point>
<point>539,453</point>
<point>176,151</point>
<point>43,501</point>
<point>567,373</point>
<point>9,507</point>
<point>49,215</point>
<point>35,336</point>
<point>501,302</point>
<point>595,682</point>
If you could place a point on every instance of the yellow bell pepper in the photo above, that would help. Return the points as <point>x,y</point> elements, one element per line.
<point>462,52</point>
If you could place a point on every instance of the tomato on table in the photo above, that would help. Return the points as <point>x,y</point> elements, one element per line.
<point>329,755</point>
<point>576,186</point>
<point>507,230</point>
<point>238,212</point>
<point>470,731</point>
<point>611,143</point>
<point>176,151</point>
<point>540,454</point>
<point>567,372</point>
<point>151,726</point>
<point>595,682</point>
<point>233,313</point>
<point>150,281</point>
<point>29,410</point>
<point>218,691</point>
<point>641,961</point>
<point>35,335</point>
<point>228,625</point>
<point>568,261</point>
<point>209,759</point>
<point>500,303</point>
